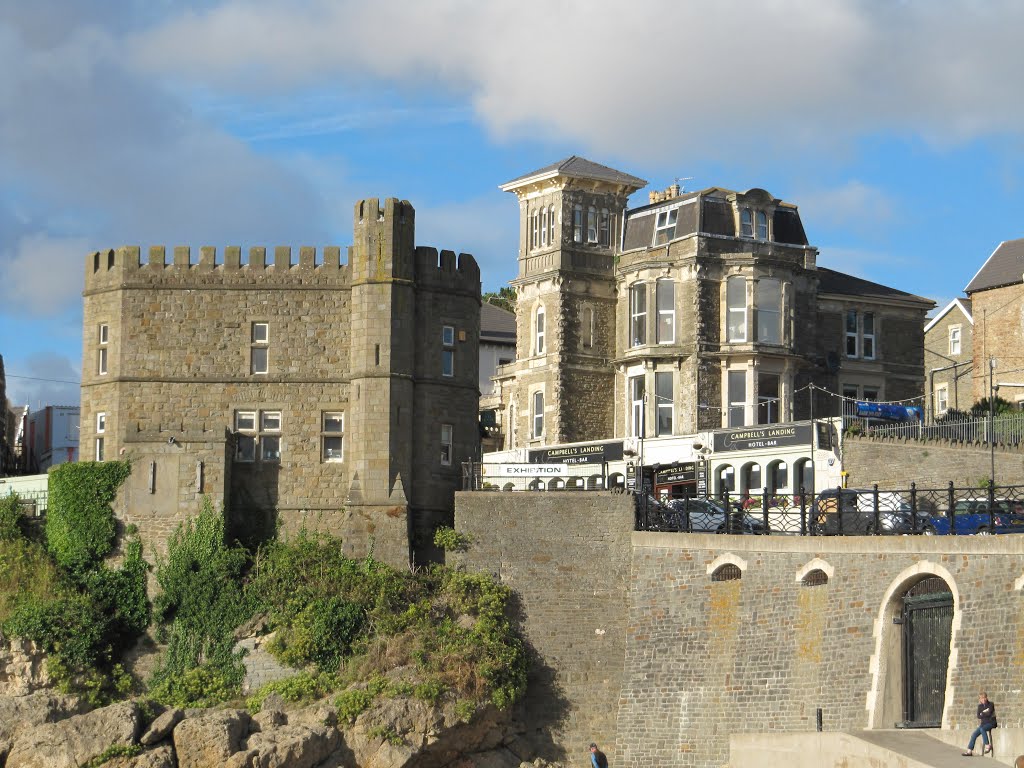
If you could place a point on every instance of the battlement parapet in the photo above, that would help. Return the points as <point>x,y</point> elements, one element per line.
<point>444,271</point>
<point>124,266</point>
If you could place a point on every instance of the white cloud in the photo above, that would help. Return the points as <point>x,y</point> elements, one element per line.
<point>654,77</point>
<point>853,206</point>
<point>42,274</point>
<point>42,379</point>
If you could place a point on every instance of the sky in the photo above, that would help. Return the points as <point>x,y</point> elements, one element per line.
<point>897,127</point>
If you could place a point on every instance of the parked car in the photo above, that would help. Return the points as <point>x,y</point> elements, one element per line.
<point>972,517</point>
<point>707,516</point>
<point>852,511</point>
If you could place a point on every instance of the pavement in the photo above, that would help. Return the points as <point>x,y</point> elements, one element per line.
<point>922,748</point>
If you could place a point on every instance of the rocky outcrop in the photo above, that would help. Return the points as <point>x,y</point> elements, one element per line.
<point>22,668</point>
<point>53,732</point>
<point>207,740</point>
<point>26,712</point>
<point>70,743</point>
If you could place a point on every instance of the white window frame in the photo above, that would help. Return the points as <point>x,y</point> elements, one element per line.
<point>538,330</point>
<point>665,301</point>
<point>852,335</point>
<point>537,414</point>
<point>736,413</point>
<point>103,336</point>
<point>587,326</point>
<point>101,422</point>
<point>665,226</point>
<point>100,448</point>
<point>638,315</point>
<point>447,351</point>
<point>248,432</point>
<point>327,454</point>
<point>767,406</point>
<point>736,313</point>
<point>577,223</point>
<point>746,223</point>
<point>637,396</point>
<point>535,230</point>
<point>604,234</point>
<point>591,224</point>
<point>941,399</point>
<point>664,405</point>
<point>267,433</point>
<point>955,338</point>
<point>543,226</point>
<point>768,319</point>
<point>259,345</point>
<point>551,226</point>
<point>868,341</point>
<point>447,444</point>
<point>762,225</point>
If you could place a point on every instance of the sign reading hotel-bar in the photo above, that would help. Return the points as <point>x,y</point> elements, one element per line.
<point>579,454</point>
<point>766,436</point>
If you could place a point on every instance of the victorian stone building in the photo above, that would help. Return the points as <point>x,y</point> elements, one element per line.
<point>997,301</point>
<point>948,359</point>
<point>697,311</point>
<point>299,392</point>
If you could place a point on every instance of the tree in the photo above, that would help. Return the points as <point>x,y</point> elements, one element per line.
<point>504,298</point>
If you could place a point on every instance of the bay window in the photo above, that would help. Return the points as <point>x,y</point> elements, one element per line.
<point>638,315</point>
<point>666,301</point>
<point>736,303</point>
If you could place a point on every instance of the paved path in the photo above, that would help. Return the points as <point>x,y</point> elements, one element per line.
<point>919,746</point>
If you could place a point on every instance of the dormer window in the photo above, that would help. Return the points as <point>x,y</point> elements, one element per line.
<point>592,224</point>
<point>746,223</point>
<point>762,225</point>
<point>665,226</point>
<point>577,224</point>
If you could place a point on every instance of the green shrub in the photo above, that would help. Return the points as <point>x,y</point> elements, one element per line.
<point>200,603</point>
<point>352,703</point>
<point>10,518</point>
<point>27,573</point>
<point>301,688</point>
<point>80,527</point>
<point>198,686</point>
<point>321,633</point>
<point>116,750</point>
<point>450,540</point>
<point>429,691</point>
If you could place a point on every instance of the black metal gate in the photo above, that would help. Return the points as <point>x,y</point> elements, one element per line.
<point>927,629</point>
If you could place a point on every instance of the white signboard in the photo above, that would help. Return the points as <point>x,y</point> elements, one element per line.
<point>523,470</point>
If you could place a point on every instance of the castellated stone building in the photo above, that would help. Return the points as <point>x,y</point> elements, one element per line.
<point>310,392</point>
<point>698,311</point>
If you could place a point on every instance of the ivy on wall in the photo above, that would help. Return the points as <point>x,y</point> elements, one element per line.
<point>80,529</point>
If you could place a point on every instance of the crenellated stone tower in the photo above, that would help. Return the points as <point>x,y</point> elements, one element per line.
<point>570,218</point>
<point>293,391</point>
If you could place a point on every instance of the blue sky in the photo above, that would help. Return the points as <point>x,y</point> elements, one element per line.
<point>896,127</point>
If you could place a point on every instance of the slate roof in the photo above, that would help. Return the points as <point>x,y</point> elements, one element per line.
<point>497,324</point>
<point>580,168</point>
<point>830,281</point>
<point>1004,267</point>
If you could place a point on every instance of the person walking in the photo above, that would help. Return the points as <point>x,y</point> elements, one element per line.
<point>597,757</point>
<point>986,722</point>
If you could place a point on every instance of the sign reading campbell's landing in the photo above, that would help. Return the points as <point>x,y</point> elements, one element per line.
<point>579,454</point>
<point>767,436</point>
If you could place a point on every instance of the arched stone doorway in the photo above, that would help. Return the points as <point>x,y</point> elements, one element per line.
<point>916,636</point>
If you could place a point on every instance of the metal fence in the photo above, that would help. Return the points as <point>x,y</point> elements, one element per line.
<point>1005,429</point>
<point>842,512</point>
<point>32,503</point>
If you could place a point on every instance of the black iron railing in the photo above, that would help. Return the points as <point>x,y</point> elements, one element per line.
<point>955,511</point>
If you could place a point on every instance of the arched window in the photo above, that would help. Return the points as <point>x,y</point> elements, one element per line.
<point>604,235</point>
<point>725,480</point>
<point>538,347</point>
<point>762,225</point>
<point>727,572</point>
<point>746,223</point>
<point>595,483</point>
<point>778,477</point>
<point>538,414</point>
<point>592,224</point>
<point>617,480</point>
<point>815,578</point>
<point>803,476</point>
<point>536,485</point>
<point>665,296</point>
<point>577,224</point>
<point>551,225</point>
<point>556,484</point>
<point>750,478</point>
